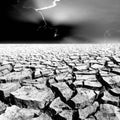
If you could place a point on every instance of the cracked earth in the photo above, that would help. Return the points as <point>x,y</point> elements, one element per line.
<point>62,82</point>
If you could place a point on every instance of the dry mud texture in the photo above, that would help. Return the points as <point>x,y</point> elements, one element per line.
<point>60,82</point>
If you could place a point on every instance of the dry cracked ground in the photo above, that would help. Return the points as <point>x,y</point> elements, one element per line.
<point>60,82</point>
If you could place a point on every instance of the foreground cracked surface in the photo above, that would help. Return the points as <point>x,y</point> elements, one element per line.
<point>72,82</point>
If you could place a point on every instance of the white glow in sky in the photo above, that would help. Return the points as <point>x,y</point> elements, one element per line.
<point>72,11</point>
<point>93,19</point>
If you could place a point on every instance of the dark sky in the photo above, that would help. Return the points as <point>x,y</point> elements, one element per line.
<point>73,21</point>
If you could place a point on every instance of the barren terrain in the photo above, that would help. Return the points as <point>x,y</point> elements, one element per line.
<point>60,82</point>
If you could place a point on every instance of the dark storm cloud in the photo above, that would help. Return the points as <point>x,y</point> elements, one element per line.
<point>76,21</point>
<point>92,18</point>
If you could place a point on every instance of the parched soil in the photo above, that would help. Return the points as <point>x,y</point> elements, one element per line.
<point>60,82</point>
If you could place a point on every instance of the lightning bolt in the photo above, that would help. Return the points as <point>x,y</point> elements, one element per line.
<point>54,4</point>
<point>39,10</point>
<point>48,7</point>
